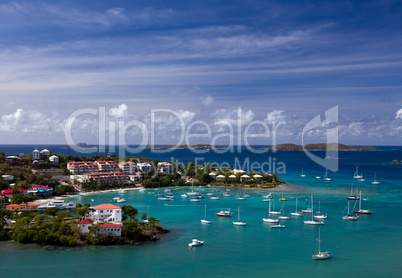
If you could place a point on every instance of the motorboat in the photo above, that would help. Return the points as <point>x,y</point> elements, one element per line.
<point>226,194</point>
<point>224,213</point>
<point>121,200</point>
<point>164,198</point>
<point>195,200</point>
<point>185,195</point>
<point>214,198</point>
<point>196,242</point>
<point>278,226</point>
<point>61,204</point>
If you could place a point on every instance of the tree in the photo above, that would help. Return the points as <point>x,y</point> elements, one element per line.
<point>129,212</point>
<point>144,216</point>
<point>154,222</point>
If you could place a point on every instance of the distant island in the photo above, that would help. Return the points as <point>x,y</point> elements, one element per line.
<point>196,147</point>
<point>320,146</point>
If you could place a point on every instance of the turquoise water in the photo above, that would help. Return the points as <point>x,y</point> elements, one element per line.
<point>370,247</point>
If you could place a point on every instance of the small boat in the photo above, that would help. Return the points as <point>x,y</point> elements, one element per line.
<point>350,216</point>
<point>362,211</point>
<point>185,195</point>
<point>278,226</point>
<point>270,219</point>
<point>200,197</point>
<point>224,213</point>
<point>196,242</point>
<point>195,200</point>
<point>122,200</point>
<point>321,255</point>
<point>374,181</point>
<point>283,199</point>
<point>318,177</point>
<point>283,216</point>
<point>226,194</point>
<point>266,200</point>
<point>356,175</point>
<point>351,196</point>
<point>297,213</point>
<point>268,196</point>
<point>214,198</point>
<point>164,198</point>
<point>151,192</point>
<point>142,190</point>
<point>210,194</point>
<point>326,176</point>
<point>318,213</point>
<point>205,220</point>
<point>122,191</point>
<point>302,174</point>
<point>313,221</point>
<point>238,222</point>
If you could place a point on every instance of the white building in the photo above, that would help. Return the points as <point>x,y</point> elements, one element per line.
<point>84,225</point>
<point>7,177</point>
<point>44,153</point>
<point>165,167</point>
<point>128,168</point>
<point>108,229</point>
<point>54,159</point>
<point>106,213</point>
<point>137,177</point>
<point>36,155</point>
<point>144,167</point>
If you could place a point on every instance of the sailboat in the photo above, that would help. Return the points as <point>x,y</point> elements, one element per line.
<point>296,213</point>
<point>270,219</point>
<point>273,211</point>
<point>302,174</point>
<point>205,220</point>
<point>351,196</point>
<point>238,222</point>
<point>356,175</point>
<point>321,255</point>
<point>283,216</point>
<point>312,221</point>
<point>240,197</point>
<point>283,199</point>
<point>326,176</point>
<point>308,210</point>
<point>192,193</point>
<point>350,216</point>
<point>362,211</point>
<point>374,181</point>
<point>146,220</point>
<point>318,213</point>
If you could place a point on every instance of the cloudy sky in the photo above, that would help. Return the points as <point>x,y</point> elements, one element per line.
<point>267,62</point>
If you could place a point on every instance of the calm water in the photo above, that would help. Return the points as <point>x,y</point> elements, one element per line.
<point>370,247</point>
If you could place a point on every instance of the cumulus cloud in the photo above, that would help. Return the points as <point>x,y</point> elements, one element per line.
<point>275,116</point>
<point>207,100</point>
<point>399,114</point>
<point>120,111</point>
<point>232,116</point>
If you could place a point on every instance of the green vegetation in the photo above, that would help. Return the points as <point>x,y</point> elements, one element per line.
<point>60,228</point>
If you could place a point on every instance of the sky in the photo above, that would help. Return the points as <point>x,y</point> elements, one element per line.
<point>95,71</point>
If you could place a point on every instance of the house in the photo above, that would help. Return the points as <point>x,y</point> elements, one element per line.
<point>106,213</point>
<point>54,159</point>
<point>108,229</point>
<point>165,167</point>
<point>45,153</point>
<point>84,225</point>
<point>144,167</point>
<point>137,177</point>
<point>7,177</point>
<point>36,155</point>
<point>22,207</point>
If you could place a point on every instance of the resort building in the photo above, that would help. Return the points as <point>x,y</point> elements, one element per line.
<point>36,155</point>
<point>165,167</point>
<point>220,177</point>
<point>84,225</point>
<point>106,213</point>
<point>137,177</point>
<point>144,167</point>
<point>45,153</point>
<point>105,177</point>
<point>22,207</point>
<point>54,159</point>
<point>107,166</point>
<point>245,178</point>
<point>82,167</point>
<point>128,168</point>
<point>236,171</point>
<point>108,229</point>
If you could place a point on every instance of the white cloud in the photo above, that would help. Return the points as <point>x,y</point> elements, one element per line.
<point>232,116</point>
<point>399,114</point>
<point>207,100</point>
<point>120,111</point>
<point>275,117</point>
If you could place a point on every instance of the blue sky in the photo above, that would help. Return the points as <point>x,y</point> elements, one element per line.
<point>278,61</point>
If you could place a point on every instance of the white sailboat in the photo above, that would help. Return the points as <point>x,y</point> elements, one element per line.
<point>374,181</point>
<point>283,216</point>
<point>321,255</point>
<point>297,213</point>
<point>362,211</point>
<point>352,196</point>
<point>326,176</point>
<point>238,222</point>
<point>357,175</point>
<point>302,174</point>
<point>350,216</point>
<point>270,219</point>
<point>313,221</point>
<point>273,211</point>
<point>205,220</point>
<point>318,213</point>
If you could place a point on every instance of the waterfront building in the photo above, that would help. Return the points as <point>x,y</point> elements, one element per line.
<point>105,213</point>
<point>108,229</point>
<point>165,167</point>
<point>144,167</point>
<point>82,167</point>
<point>36,155</point>
<point>128,168</point>
<point>54,159</point>
<point>84,225</point>
<point>22,207</point>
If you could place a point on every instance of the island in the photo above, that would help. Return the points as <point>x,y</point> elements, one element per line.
<point>320,147</point>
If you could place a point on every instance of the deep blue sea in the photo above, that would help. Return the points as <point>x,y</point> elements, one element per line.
<point>369,247</point>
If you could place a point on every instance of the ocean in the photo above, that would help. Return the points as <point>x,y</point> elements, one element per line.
<point>369,247</point>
